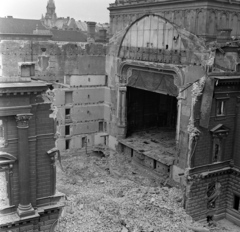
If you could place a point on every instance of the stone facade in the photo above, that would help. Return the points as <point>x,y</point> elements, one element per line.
<point>169,40</point>
<point>26,155</point>
<point>200,18</point>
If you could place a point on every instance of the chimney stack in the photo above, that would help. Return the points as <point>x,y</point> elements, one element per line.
<point>103,35</point>
<point>91,27</point>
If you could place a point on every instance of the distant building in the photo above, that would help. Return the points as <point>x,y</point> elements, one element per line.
<point>51,28</point>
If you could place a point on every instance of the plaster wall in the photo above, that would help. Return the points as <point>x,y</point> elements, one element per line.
<point>86,80</point>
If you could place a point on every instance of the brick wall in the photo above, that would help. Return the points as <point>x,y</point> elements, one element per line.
<point>44,222</point>
<point>58,60</point>
<point>234,188</point>
<point>196,204</point>
<point>203,152</point>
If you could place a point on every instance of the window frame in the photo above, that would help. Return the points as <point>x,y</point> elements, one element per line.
<point>236,195</point>
<point>224,101</point>
<point>5,134</point>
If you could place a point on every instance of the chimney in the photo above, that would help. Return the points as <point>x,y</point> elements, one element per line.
<point>103,35</point>
<point>224,35</point>
<point>91,27</point>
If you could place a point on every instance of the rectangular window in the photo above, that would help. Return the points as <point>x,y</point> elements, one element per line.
<point>84,140</point>
<point>217,150</point>
<point>68,98</point>
<point>67,144</point>
<point>220,108</point>
<point>154,164</point>
<point>28,70</point>
<point>67,130</point>
<point>67,113</point>
<point>4,200</point>
<point>2,133</point>
<point>236,202</point>
<point>100,129</point>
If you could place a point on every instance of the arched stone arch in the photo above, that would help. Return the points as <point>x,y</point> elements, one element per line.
<point>160,34</point>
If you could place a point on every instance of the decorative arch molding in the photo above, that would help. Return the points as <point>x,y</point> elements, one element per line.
<point>156,21</point>
<point>125,71</point>
<point>125,67</point>
<point>6,160</point>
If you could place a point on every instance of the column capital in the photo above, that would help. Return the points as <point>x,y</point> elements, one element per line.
<point>122,88</point>
<point>23,119</point>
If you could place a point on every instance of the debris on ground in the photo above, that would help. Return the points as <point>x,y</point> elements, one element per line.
<point>107,193</point>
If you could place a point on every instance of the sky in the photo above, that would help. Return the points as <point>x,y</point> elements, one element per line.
<point>84,10</point>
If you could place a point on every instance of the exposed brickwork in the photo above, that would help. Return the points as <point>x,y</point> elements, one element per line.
<point>197,202</point>
<point>205,142</point>
<point>81,59</point>
<point>43,223</point>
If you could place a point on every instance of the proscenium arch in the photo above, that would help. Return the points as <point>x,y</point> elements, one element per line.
<point>170,69</point>
<point>160,30</point>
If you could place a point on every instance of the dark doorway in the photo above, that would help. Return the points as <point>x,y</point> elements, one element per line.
<point>146,110</point>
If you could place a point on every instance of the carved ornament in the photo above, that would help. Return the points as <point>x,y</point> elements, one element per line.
<point>23,119</point>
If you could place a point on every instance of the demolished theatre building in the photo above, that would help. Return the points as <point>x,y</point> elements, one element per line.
<point>165,92</point>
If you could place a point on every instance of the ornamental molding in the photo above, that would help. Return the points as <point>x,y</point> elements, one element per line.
<point>23,119</point>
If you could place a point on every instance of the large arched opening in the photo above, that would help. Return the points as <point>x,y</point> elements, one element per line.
<point>149,100</point>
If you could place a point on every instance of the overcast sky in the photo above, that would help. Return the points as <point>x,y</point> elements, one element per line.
<point>84,10</point>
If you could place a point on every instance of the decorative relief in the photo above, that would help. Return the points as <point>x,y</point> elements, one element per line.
<point>22,120</point>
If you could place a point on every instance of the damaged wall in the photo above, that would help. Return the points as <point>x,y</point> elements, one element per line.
<point>53,60</point>
<point>87,115</point>
<point>201,18</point>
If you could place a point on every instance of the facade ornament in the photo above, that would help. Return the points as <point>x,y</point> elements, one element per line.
<point>23,119</point>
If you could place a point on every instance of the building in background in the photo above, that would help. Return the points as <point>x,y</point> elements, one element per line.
<point>51,28</point>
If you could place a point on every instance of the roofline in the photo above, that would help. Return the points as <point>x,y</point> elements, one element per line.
<point>20,34</point>
<point>134,5</point>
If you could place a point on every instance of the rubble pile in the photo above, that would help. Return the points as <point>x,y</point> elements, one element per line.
<point>108,194</point>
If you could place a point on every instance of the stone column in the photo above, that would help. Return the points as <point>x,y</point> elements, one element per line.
<point>122,106</point>
<point>119,107</point>
<point>123,95</point>
<point>25,207</point>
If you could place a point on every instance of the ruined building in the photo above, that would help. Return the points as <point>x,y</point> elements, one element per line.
<point>164,92</point>
<point>29,201</point>
<point>175,67</point>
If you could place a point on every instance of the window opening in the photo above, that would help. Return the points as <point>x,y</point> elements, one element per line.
<point>84,140</point>
<point>67,113</point>
<point>67,130</point>
<point>154,164</point>
<point>213,192</point>
<point>2,139</point>
<point>216,150</point>
<point>236,202</point>
<point>67,144</point>
<point>68,98</point>
<point>100,129</point>
<point>220,108</point>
